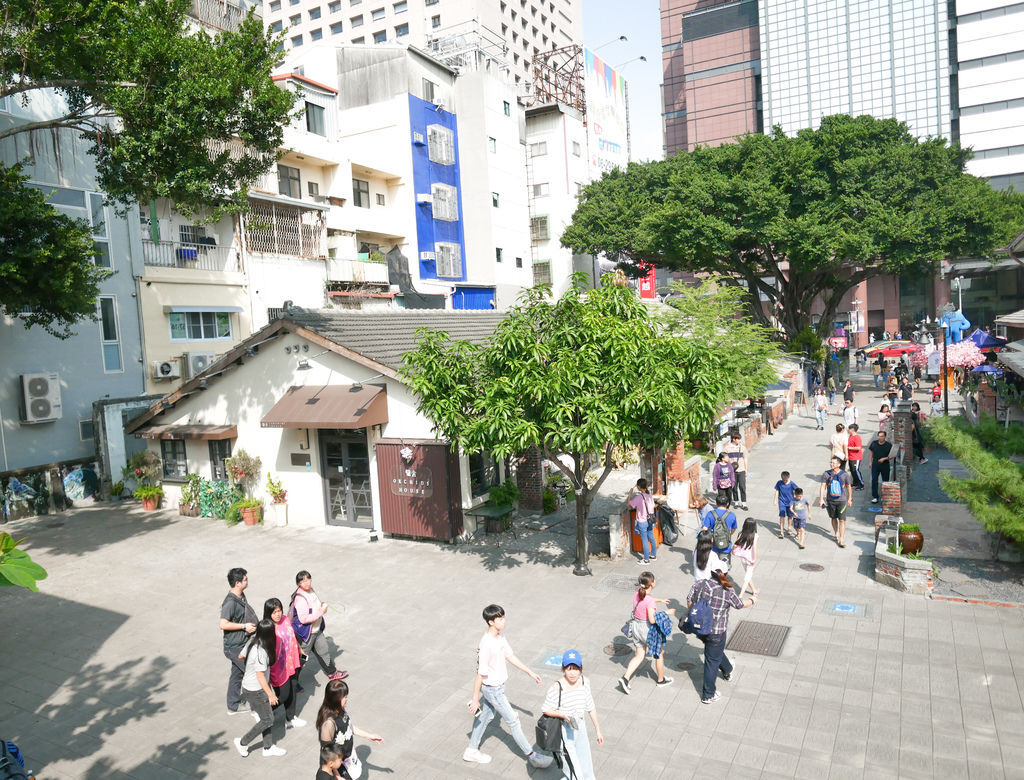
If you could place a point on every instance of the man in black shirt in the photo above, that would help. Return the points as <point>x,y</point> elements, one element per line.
<point>880,450</point>
<point>849,394</point>
<point>906,389</point>
<point>237,620</point>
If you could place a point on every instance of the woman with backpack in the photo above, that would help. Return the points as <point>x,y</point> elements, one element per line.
<point>307,617</point>
<point>720,596</point>
<point>570,699</point>
<point>723,476</point>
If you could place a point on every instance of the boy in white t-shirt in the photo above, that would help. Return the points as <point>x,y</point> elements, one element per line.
<point>493,655</point>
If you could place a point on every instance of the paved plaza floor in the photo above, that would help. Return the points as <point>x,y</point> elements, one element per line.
<point>115,669</point>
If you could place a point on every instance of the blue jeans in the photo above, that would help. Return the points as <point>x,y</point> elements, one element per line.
<point>576,746</point>
<point>494,700</point>
<point>647,540</point>
<point>714,659</point>
<point>878,378</point>
<point>822,416</point>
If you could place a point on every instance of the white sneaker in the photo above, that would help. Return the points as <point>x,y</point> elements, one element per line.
<point>295,723</point>
<point>242,749</point>
<point>273,750</point>
<point>475,755</point>
<point>539,760</point>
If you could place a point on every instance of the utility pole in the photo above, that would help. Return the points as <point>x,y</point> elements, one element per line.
<point>945,369</point>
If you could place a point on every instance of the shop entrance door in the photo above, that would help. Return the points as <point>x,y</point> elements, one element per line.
<point>346,466</point>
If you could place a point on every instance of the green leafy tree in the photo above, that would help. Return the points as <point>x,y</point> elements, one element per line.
<point>727,355</point>
<point>575,377</point>
<point>799,219</point>
<point>994,491</point>
<point>16,567</point>
<point>166,110</point>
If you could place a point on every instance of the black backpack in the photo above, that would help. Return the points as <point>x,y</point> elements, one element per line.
<point>11,765</point>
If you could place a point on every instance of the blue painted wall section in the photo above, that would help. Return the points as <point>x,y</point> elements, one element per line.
<point>473,298</point>
<point>424,173</point>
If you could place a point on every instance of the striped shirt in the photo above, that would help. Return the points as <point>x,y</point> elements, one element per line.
<point>575,701</point>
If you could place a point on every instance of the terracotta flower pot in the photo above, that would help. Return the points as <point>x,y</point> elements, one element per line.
<point>251,515</point>
<point>911,541</point>
<point>149,504</point>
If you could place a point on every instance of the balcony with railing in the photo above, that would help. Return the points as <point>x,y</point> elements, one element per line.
<point>194,256</point>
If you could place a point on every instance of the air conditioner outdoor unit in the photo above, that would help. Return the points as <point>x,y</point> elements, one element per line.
<point>198,362</point>
<point>424,197</point>
<point>40,397</point>
<point>417,138</point>
<point>167,369</point>
<point>428,256</point>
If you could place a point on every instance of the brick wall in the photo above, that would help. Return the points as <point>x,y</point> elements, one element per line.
<point>675,463</point>
<point>986,399</point>
<point>905,574</point>
<point>530,479</point>
<point>892,499</point>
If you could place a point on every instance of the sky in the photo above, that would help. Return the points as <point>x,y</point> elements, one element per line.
<point>606,20</point>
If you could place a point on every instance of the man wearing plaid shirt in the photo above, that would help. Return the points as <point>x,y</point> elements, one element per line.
<point>720,595</point>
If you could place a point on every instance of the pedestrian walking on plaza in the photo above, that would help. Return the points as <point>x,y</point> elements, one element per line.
<point>641,622</point>
<point>838,443</point>
<point>885,419</point>
<point>855,454</point>
<point>876,372</point>
<point>820,408</point>
<point>784,490</point>
<point>849,394</point>
<point>892,391</point>
<point>705,560</point>
<point>723,476</point>
<point>746,550</point>
<point>723,525</point>
<point>830,383</point>
<point>836,497</point>
<point>493,656</point>
<point>284,671</point>
<point>916,437</point>
<point>737,453</point>
<point>307,612</point>
<point>721,597</point>
<point>335,729</point>
<point>646,516</point>
<point>259,655</point>
<point>801,511</point>
<point>906,389</point>
<point>881,453</point>
<point>851,414</point>
<point>237,619</point>
<point>331,761</point>
<point>571,699</point>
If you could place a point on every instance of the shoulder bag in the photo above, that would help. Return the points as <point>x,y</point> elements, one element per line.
<point>549,730</point>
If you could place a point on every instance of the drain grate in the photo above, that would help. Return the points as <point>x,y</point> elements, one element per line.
<point>758,638</point>
<point>812,567</point>
<point>685,666</point>
<point>617,648</point>
<point>617,582</point>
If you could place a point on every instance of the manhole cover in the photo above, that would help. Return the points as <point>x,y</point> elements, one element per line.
<point>812,567</point>
<point>617,582</point>
<point>759,638</point>
<point>56,524</point>
<point>616,648</point>
<point>970,589</point>
<point>685,666</point>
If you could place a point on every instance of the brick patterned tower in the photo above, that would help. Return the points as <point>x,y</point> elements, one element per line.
<point>902,430</point>
<point>530,479</point>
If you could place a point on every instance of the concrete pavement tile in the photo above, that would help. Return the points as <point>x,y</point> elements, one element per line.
<point>979,750</point>
<point>916,763</point>
<point>721,748</point>
<point>980,770</point>
<point>809,768</point>
<point>788,736</point>
<point>841,772</point>
<point>951,767</point>
<point>751,757</point>
<point>781,762</point>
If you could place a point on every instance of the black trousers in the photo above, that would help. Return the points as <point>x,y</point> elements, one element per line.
<point>739,490</point>
<point>878,470</point>
<point>286,697</point>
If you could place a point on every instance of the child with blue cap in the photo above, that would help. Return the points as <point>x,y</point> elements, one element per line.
<point>570,698</point>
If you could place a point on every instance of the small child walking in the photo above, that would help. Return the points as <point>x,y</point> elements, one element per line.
<point>745,548</point>
<point>801,510</point>
<point>783,499</point>
<point>489,696</point>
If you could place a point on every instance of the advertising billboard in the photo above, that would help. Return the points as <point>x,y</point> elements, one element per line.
<point>607,122</point>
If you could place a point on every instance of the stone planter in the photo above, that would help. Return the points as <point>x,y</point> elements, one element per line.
<point>251,515</point>
<point>188,510</point>
<point>277,514</point>
<point>905,574</point>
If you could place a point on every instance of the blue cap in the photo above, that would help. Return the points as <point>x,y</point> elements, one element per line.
<point>572,657</point>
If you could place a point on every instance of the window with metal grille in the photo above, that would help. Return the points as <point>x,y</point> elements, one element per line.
<point>446,202</point>
<point>440,145</point>
<point>200,325</point>
<point>192,234</point>
<point>539,229</point>
<point>449,259</point>
<point>172,453</point>
<point>428,89</point>
<point>278,228</point>
<point>541,273</point>
<point>289,182</point>
<point>361,193</point>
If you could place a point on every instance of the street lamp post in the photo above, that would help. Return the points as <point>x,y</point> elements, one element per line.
<point>620,39</point>
<point>945,371</point>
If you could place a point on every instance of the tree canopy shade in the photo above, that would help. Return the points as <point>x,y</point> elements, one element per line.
<point>799,218</point>
<point>166,111</point>
<point>574,377</point>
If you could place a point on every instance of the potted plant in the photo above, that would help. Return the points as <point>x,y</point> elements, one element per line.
<point>248,510</point>
<point>911,538</point>
<point>244,470</point>
<point>149,495</point>
<point>188,502</point>
<point>278,500</point>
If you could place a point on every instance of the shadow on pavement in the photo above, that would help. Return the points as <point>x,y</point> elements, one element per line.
<point>185,756</point>
<point>86,530</point>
